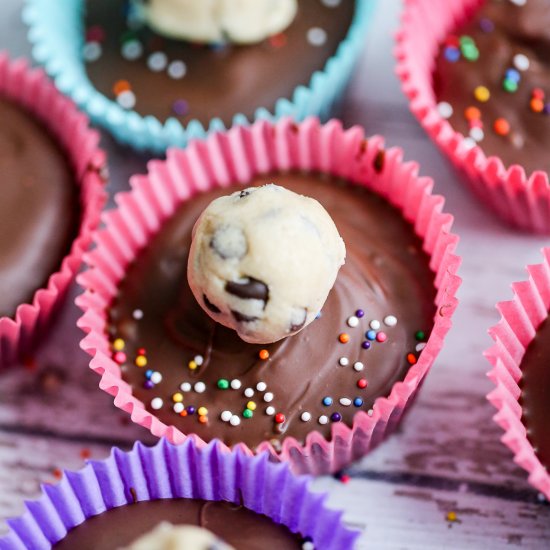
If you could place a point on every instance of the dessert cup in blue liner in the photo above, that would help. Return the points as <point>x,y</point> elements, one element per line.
<point>56,31</point>
<point>166,471</point>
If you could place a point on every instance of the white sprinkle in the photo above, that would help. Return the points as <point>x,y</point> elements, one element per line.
<point>156,377</point>
<point>469,143</point>
<point>157,61</point>
<point>200,387</point>
<point>521,62</point>
<point>445,109</point>
<point>177,70</point>
<point>137,314</point>
<point>92,51</point>
<point>308,545</point>
<point>374,324</point>
<point>420,347</point>
<point>185,386</point>
<point>519,2</point>
<point>370,412</point>
<point>352,321</point>
<point>323,419</point>
<point>358,366</point>
<point>331,3</point>
<point>345,401</point>
<point>390,320</point>
<point>316,36</point>
<point>261,386</point>
<point>249,392</point>
<point>477,134</point>
<point>178,407</point>
<point>343,361</point>
<point>234,420</point>
<point>268,397</point>
<point>156,403</point>
<point>126,99</point>
<point>270,411</point>
<point>199,360</point>
<point>236,384</point>
<point>306,417</point>
<point>131,50</point>
<point>226,416</point>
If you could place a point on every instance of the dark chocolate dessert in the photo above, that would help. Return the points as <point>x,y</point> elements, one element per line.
<point>38,210</point>
<point>235,525</point>
<point>492,81</point>
<point>200,377</point>
<point>166,78</point>
<point>535,394</point>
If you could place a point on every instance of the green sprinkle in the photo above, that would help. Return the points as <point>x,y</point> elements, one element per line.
<point>420,335</point>
<point>465,39</point>
<point>470,52</point>
<point>247,413</point>
<point>510,85</point>
<point>223,384</point>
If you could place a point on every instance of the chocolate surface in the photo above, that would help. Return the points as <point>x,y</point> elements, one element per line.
<point>38,209</point>
<point>309,380</point>
<point>219,81</point>
<point>535,397</point>
<point>238,526</point>
<point>500,31</point>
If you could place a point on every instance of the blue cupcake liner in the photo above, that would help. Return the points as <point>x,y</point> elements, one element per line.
<point>56,32</point>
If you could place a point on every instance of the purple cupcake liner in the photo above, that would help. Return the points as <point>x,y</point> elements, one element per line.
<point>183,471</point>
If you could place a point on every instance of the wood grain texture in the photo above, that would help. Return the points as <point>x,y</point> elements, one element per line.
<point>446,457</point>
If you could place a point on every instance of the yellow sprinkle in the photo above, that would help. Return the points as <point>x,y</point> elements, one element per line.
<point>118,344</point>
<point>192,365</point>
<point>451,516</point>
<point>203,411</point>
<point>482,93</point>
<point>251,405</point>
<point>177,397</point>
<point>141,360</point>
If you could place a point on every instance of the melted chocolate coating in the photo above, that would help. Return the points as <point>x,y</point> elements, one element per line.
<point>517,30</point>
<point>535,396</point>
<point>38,209</point>
<point>386,273</point>
<point>234,524</point>
<point>220,82</point>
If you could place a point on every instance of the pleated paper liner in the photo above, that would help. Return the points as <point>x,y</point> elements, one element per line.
<point>522,200</point>
<point>516,329</point>
<point>166,471</point>
<point>237,156</point>
<point>33,91</point>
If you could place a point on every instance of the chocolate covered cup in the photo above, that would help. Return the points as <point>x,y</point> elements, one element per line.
<point>248,502</point>
<point>53,177</point>
<point>477,80</point>
<point>323,396</point>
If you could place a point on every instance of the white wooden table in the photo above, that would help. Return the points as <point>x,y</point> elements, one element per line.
<point>447,456</point>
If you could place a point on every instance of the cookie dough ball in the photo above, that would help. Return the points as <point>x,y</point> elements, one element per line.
<point>166,536</point>
<point>239,21</point>
<point>263,260</point>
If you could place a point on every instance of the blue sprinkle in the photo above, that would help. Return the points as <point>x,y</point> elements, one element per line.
<point>513,75</point>
<point>452,54</point>
<point>148,373</point>
<point>327,401</point>
<point>370,334</point>
<point>357,401</point>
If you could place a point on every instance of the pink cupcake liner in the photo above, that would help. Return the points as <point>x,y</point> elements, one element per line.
<point>166,471</point>
<point>32,90</point>
<point>516,329</point>
<point>237,156</point>
<point>520,199</point>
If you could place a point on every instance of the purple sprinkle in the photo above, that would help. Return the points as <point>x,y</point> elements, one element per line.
<point>180,107</point>
<point>336,417</point>
<point>148,385</point>
<point>546,109</point>
<point>365,345</point>
<point>486,25</point>
<point>190,410</point>
<point>359,313</point>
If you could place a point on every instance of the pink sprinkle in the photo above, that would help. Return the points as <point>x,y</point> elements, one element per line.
<point>119,357</point>
<point>381,337</point>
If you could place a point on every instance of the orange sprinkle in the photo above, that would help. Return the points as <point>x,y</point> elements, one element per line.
<point>121,86</point>
<point>57,473</point>
<point>411,358</point>
<point>278,40</point>
<point>344,338</point>
<point>472,113</point>
<point>183,413</point>
<point>263,354</point>
<point>502,126</point>
<point>203,419</point>
<point>537,105</point>
<point>85,453</point>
